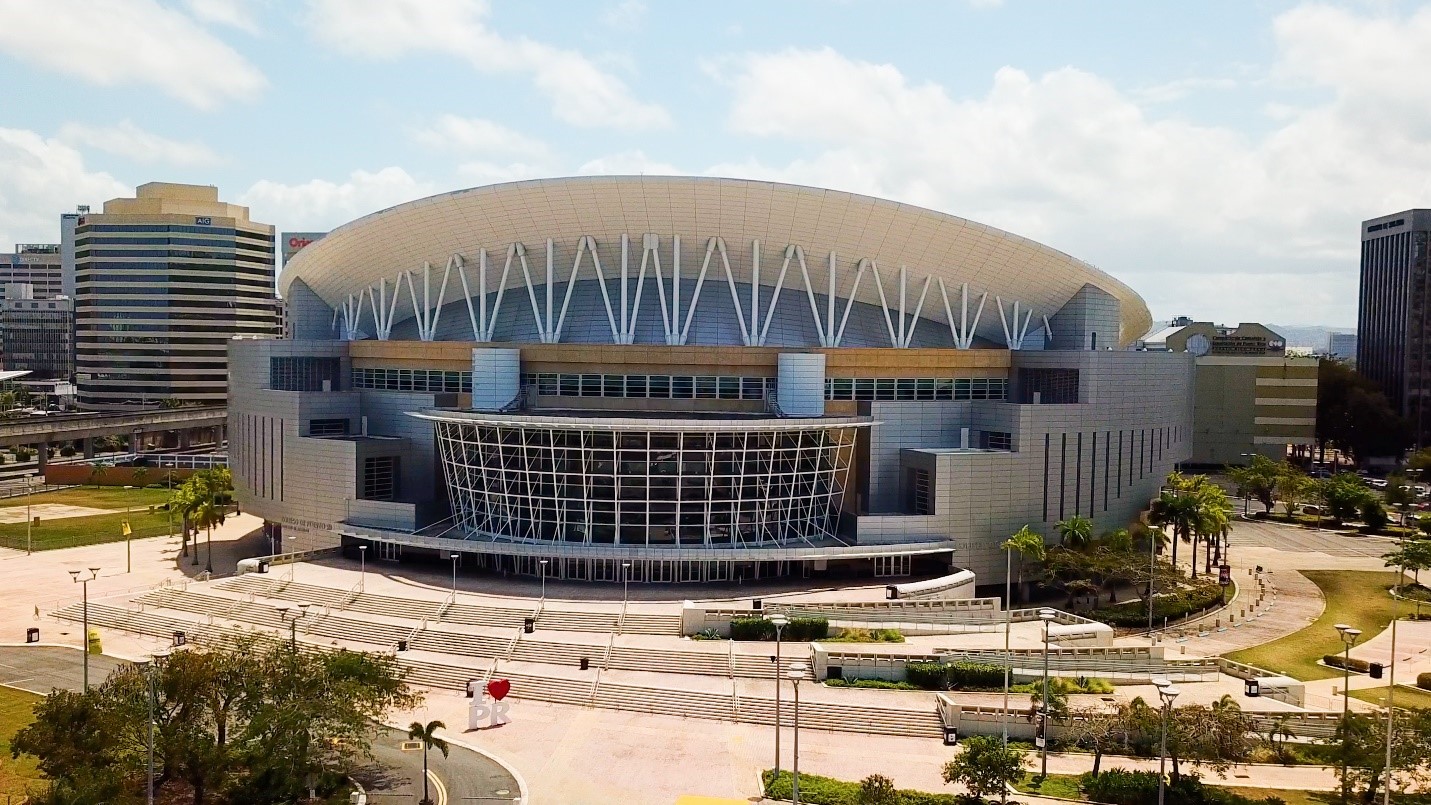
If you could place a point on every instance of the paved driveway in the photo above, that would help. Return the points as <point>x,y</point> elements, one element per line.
<point>1255,534</point>
<point>40,669</point>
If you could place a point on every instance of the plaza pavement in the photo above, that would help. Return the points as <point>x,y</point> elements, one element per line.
<point>576,755</point>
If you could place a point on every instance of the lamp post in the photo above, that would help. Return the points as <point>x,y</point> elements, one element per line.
<point>1008,655</point>
<point>780,621</point>
<point>1391,689</point>
<point>1047,616</point>
<point>796,673</point>
<point>29,520</point>
<point>625,582</point>
<point>454,557</point>
<point>1349,636</point>
<point>155,661</point>
<point>542,563</point>
<point>84,583</point>
<point>362,568</point>
<point>1153,571</point>
<point>128,550</point>
<point>1167,693</point>
<point>293,624</point>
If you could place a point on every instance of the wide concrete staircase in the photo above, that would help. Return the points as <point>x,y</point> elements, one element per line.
<point>922,723</point>
<point>635,658</point>
<point>555,652</point>
<point>665,701</point>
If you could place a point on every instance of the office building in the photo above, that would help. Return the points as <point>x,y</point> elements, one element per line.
<point>709,379</point>
<point>1251,397</point>
<point>1393,318</point>
<point>1342,346</point>
<point>163,281</point>
<point>37,335</point>
<point>37,265</point>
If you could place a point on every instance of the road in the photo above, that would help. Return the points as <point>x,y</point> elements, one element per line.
<point>464,777</point>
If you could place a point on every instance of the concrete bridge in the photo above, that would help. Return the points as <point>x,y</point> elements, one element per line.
<point>47,430</point>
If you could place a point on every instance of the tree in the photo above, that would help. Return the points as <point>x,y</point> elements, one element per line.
<point>1258,479</point>
<point>202,501</point>
<point>985,766</point>
<point>252,722</point>
<point>1075,533</point>
<point>1344,494</point>
<point>1411,554</point>
<point>1354,415</point>
<point>1399,494</point>
<point>427,734</point>
<point>1359,751</point>
<point>1096,729</point>
<point>1177,510</point>
<point>1293,487</point>
<point>877,789</point>
<point>1029,545</point>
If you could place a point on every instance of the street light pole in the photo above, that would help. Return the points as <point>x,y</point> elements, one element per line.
<point>625,583</point>
<point>84,584</point>
<point>1167,693</point>
<point>1008,656</point>
<point>542,563</point>
<point>362,568</point>
<point>780,621</point>
<point>454,558</point>
<point>128,532</point>
<point>1047,616</point>
<point>796,674</point>
<point>1349,636</point>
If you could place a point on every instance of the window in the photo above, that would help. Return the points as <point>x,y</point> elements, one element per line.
<point>998,440</point>
<point>380,477</point>
<point>304,374</point>
<point>1053,386</point>
<point>328,427</point>
<point>921,497</point>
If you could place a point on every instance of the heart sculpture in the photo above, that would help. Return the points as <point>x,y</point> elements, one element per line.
<point>499,688</point>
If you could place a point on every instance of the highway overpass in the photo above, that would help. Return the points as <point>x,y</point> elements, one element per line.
<point>53,428</point>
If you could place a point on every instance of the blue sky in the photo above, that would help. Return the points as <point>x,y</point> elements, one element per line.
<point>1218,156</point>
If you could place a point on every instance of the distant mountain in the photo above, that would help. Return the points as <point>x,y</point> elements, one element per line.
<point>1308,336</point>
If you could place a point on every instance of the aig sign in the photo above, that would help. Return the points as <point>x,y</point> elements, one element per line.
<point>293,242</point>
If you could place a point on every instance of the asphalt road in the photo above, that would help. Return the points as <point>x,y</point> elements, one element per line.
<point>464,777</point>
<point>1252,533</point>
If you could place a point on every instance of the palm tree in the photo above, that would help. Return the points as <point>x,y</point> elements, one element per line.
<point>427,733</point>
<point>1030,545</point>
<point>1176,509</point>
<point>1075,533</point>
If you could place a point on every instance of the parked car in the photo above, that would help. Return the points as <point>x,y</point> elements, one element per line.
<point>1377,483</point>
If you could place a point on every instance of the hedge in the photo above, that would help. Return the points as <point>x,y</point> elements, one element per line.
<point>1352,663</point>
<point>1423,681</point>
<point>1121,787</point>
<point>881,684</point>
<point>798,630</point>
<point>1170,606</point>
<point>818,790</point>
<point>955,676</point>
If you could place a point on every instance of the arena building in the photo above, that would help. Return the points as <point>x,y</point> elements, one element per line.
<point>689,379</point>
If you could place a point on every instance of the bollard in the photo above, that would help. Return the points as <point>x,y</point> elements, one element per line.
<point>1184,649</point>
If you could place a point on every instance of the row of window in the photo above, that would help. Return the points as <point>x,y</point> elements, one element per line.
<point>171,241</point>
<point>85,270</point>
<point>200,230</point>
<point>689,387</point>
<point>192,254</point>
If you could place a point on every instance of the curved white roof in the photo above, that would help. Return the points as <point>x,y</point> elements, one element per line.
<point>378,249</point>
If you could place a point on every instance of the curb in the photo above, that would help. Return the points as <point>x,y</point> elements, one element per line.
<point>523,791</point>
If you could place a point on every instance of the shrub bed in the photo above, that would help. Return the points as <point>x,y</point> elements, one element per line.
<point>1423,681</point>
<point>879,684</point>
<point>1171,606</point>
<point>798,630</point>
<point>818,790</point>
<point>1350,663</point>
<point>1120,787</point>
<point>971,676</point>
<point>866,636</point>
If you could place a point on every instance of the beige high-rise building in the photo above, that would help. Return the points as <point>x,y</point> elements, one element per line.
<point>163,281</point>
<point>1250,395</point>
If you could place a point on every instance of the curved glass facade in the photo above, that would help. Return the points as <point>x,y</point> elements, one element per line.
<point>730,482</point>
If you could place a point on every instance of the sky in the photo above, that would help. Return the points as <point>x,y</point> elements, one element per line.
<point>1217,156</point>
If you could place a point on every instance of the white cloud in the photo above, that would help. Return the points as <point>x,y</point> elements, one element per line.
<point>627,163</point>
<point>477,174</point>
<point>1181,88</point>
<point>126,42</point>
<point>43,178</point>
<point>233,13</point>
<point>1188,214</point>
<point>581,93</point>
<point>131,142</point>
<point>626,15</point>
<point>478,135</point>
<point>320,204</point>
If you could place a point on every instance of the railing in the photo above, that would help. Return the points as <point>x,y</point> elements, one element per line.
<point>169,461</point>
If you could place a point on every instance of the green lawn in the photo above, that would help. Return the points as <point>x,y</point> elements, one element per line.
<point>16,709</point>
<point>1055,785</point>
<point>1405,697</point>
<point>103,497</point>
<point>1355,597</point>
